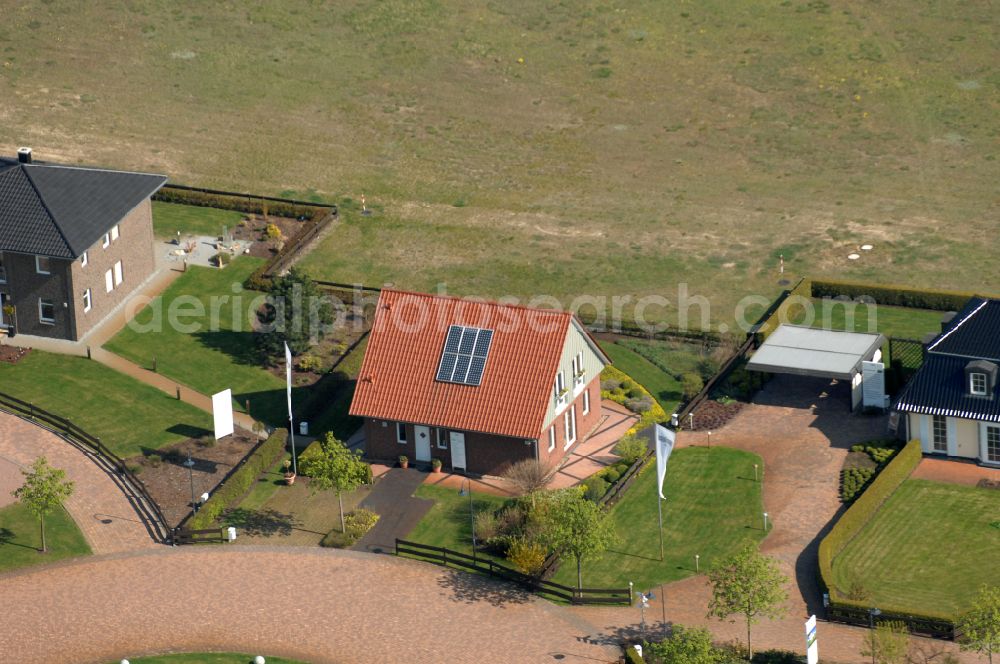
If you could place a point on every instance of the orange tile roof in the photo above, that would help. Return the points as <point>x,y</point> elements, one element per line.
<point>397,378</point>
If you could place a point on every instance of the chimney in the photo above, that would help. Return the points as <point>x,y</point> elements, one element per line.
<point>24,155</point>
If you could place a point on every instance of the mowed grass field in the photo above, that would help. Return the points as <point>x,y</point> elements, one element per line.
<point>927,548</point>
<point>578,147</point>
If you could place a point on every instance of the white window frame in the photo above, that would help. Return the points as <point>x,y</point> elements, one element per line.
<point>38,265</point>
<point>579,373</point>
<point>939,434</point>
<point>975,377</point>
<point>118,274</point>
<point>560,389</point>
<point>88,300</point>
<point>41,316</point>
<point>84,259</point>
<point>106,240</point>
<point>109,282</point>
<point>114,232</point>
<point>442,439</point>
<point>570,422</point>
<point>586,402</point>
<point>401,433</point>
<point>552,437</point>
<point>987,428</point>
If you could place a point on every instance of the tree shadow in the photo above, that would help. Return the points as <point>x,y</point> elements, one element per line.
<point>177,458</point>
<point>240,346</point>
<point>7,537</point>
<point>262,522</point>
<point>471,588</point>
<point>616,635</point>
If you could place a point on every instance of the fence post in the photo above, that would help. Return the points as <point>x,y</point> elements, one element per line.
<point>445,553</point>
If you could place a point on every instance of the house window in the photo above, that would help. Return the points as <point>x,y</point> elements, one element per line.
<point>118,273</point>
<point>42,265</point>
<point>87,300</point>
<point>552,437</point>
<point>578,371</point>
<point>560,389</point>
<point>940,433</point>
<point>3,272</point>
<point>442,439</point>
<point>109,284</point>
<point>400,432</point>
<point>46,311</point>
<point>993,444</point>
<point>84,259</point>
<point>977,383</point>
<point>105,241</point>
<point>586,401</point>
<point>570,420</point>
<point>114,232</point>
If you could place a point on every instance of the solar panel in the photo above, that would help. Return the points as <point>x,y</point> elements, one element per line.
<point>463,359</point>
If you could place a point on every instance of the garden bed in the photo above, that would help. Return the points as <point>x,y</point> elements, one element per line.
<point>12,354</point>
<point>712,415</point>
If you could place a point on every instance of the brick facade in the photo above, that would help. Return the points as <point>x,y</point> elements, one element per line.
<point>486,454</point>
<point>68,279</point>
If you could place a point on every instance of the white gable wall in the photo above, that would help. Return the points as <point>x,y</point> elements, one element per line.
<point>577,341</point>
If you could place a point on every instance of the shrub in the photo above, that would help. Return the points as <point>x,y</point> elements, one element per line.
<point>359,522</point>
<point>610,474</point>
<point>240,481</point>
<point>852,481</point>
<point>686,645</point>
<point>312,450</point>
<point>691,385</point>
<point>220,259</point>
<point>154,460</point>
<point>621,467</point>
<point>310,362</point>
<point>776,657</point>
<point>610,384</point>
<point>486,526</point>
<point>207,440</point>
<point>273,232</point>
<point>527,556</point>
<point>596,487</point>
<point>639,404</point>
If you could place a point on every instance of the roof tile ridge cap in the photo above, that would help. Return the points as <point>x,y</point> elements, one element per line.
<point>94,169</point>
<point>960,323</point>
<point>48,211</point>
<point>484,302</point>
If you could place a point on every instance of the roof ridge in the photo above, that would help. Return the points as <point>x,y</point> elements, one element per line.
<point>959,324</point>
<point>44,164</point>
<point>491,303</point>
<point>52,217</point>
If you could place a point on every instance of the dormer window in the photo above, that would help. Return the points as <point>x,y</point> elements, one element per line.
<point>977,384</point>
<point>981,378</point>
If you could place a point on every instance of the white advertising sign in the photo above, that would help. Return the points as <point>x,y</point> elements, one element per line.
<point>222,413</point>
<point>812,647</point>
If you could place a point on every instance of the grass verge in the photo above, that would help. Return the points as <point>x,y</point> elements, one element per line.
<point>448,523</point>
<point>20,539</point>
<point>168,218</point>
<point>665,388</point>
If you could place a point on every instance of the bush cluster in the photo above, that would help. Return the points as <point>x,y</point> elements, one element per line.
<point>600,483</point>
<point>240,481</point>
<point>853,481</point>
<point>310,362</point>
<point>741,383</point>
<point>629,389</point>
<point>631,448</point>
<point>899,296</point>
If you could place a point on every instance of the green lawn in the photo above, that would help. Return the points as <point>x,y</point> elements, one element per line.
<point>931,546</point>
<point>208,658</point>
<point>125,414</point>
<point>20,539</point>
<point>900,322</point>
<point>665,388</point>
<point>207,357</point>
<point>448,523</point>
<point>712,505</point>
<point>168,218</point>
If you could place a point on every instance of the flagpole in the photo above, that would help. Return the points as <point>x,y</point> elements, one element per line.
<point>291,434</point>
<point>291,419</point>
<point>659,510</point>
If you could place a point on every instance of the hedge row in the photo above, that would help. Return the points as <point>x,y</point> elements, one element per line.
<point>898,296</point>
<point>653,415</point>
<point>785,310</point>
<point>240,481</point>
<point>855,518</point>
<point>240,203</point>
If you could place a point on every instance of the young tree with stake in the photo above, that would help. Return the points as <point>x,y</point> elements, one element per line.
<point>43,491</point>
<point>573,525</point>
<point>980,627</point>
<point>335,468</point>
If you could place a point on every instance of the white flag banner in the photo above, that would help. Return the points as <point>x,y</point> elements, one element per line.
<point>288,377</point>
<point>664,446</point>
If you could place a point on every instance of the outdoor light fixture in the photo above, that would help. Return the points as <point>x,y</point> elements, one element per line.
<point>472,515</point>
<point>189,464</point>
<point>765,522</point>
<point>872,614</point>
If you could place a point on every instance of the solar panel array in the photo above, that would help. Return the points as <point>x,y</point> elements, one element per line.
<point>464,357</point>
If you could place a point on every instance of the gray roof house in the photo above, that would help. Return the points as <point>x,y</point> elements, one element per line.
<point>952,404</point>
<point>74,243</point>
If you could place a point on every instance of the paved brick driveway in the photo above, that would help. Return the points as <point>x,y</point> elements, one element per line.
<point>319,605</point>
<point>98,505</point>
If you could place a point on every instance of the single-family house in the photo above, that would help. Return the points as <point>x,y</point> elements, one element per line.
<point>952,404</point>
<point>478,385</point>
<point>74,243</point>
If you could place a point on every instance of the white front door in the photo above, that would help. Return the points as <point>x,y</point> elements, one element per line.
<point>457,439</point>
<point>422,435</point>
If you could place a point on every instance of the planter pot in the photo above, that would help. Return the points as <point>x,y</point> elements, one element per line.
<point>404,464</point>
<point>435,469</point>
<point>289,479</point>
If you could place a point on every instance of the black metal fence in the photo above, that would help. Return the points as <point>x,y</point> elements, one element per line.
<point>446,557</point>
<point>134,489</point>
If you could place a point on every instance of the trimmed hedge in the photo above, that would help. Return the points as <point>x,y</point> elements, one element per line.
<point>240,481</point>
<point>786,309</point>
<point>898,296</point>
<point>239,202</point>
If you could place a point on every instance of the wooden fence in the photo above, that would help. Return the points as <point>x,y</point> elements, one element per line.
<point>148,509</point>
<point>446,557</point>
<point>207,535</point>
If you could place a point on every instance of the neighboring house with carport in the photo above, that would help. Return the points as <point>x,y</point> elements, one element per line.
<point>952,403</point>
<point>478,385</point>
<point>74,244</point>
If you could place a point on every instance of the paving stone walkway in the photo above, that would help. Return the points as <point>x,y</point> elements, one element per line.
<point>319,605</point>
<point>398,509</point>
<point>98,505</point>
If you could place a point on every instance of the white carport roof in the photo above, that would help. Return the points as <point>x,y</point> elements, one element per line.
<point>805,351</point>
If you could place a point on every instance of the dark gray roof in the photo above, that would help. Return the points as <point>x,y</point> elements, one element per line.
<point>60,211</point>
<point>939,389</point>
<point>973,333</point>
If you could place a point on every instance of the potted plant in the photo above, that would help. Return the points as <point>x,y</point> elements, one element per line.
<point>10,313</point>
<point>435,465</point>
<point>289,475</point>
<point>404,461</point>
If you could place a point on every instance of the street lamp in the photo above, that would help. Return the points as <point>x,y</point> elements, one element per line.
<point>190,466</point>
<point>872,614</point>
<point>765,522</point>
<point>472,515</point>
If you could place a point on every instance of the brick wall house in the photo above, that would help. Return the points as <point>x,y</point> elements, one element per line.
<point>477,385</point>
<point>74,243</point>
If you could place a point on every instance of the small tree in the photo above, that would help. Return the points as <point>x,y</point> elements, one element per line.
<point>527,556</point>
<point>528,476</point>
<point>43,491</point>
<point>980,626</point>
<point>686,645</point>
<point>335,468</point>
<point>691,385</point>
<point>296,312</point>
<point>630,448</point>
<point>748,584</point>
<point>889,642</point>
<point>573,525</point>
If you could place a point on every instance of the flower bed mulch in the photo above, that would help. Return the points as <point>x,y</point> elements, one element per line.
<point>255,230</point>
<point>12,354</point>
<point>168,480</point>
<point>712,415</point>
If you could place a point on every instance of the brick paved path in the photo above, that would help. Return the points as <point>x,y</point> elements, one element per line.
<point>99,507</point>
<point>318,605</point>
<point>955,472</point>
<point>803,429</point>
